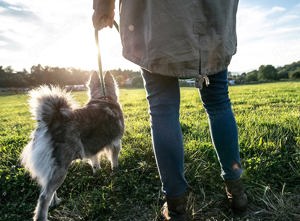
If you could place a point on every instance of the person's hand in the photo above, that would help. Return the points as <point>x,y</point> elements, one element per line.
<point>103,13</point>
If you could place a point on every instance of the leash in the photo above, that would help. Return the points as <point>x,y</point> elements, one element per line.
<point>99,57</point>
<point>99,62</point>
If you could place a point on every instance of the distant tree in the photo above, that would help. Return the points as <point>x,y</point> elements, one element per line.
<point>25,71</point>
<point>295,74</point>
<point>37,74</point>
<point>282,74</point>
<point>240,79</point>
<point>137,82</point>
<point>10,78</point>
<point>2,70</point>
<point>123,76</point>
<point>252,76</point>
<point>267,72</point>
<point>8,70</point>
<point>77,76</point>
<point>286,70</point>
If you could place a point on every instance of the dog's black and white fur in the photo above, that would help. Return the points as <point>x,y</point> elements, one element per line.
<point>64,133</point>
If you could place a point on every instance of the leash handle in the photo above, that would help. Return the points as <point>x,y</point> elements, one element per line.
<point>100,63</point>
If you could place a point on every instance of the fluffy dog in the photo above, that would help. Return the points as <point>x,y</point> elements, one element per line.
<point>64,133</point>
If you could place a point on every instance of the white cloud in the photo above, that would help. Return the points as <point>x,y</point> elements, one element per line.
<point>3,43</point>
<point>288,18</point>
<point>266,36</point>
<point>277,9</point>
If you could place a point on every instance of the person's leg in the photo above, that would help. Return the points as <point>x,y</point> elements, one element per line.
<point>163,96</point>
<point>222,125</point>
<point>224,135</point>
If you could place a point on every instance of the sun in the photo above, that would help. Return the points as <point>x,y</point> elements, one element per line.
<point>78,49</point>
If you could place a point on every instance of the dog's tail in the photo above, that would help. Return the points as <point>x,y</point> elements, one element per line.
<point>50,103</point>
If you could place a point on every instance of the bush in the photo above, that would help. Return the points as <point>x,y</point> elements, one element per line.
<point>295,74</point>
<point>283,75</point>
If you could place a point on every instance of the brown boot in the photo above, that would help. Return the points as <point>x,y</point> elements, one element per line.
<point>175,209</point>
<point>236,195</point>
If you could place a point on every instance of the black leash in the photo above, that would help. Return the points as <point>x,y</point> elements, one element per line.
<point>99,58</point>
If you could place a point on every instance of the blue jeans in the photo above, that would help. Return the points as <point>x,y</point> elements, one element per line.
<point>163,95</point>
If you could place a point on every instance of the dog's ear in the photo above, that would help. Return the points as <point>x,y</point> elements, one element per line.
<point>94,81</point>
<point>111,86</point>
<point>94,86</point>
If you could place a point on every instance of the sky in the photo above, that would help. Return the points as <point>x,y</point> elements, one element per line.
<point>58,33</point>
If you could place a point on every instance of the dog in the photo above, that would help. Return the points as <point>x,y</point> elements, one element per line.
<point>64,132</point>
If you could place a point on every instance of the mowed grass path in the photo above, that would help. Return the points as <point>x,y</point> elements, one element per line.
<point>268,117</point>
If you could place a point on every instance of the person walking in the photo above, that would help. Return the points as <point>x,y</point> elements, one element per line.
<point>177,39</point>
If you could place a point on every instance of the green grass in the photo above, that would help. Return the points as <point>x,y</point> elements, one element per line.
<point>268,117</point>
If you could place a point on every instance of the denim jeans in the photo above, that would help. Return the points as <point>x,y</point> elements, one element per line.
<point>163,95</point>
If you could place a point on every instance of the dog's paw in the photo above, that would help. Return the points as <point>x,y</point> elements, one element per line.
<point>55,201</point>
<point>95,164</point>
<point>95,168</point>
<point>35,218</point>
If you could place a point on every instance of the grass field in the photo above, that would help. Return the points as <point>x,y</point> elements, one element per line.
<point>268,117</point>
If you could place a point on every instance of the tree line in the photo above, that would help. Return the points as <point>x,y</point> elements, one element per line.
<point>60,76</point>
<point>39,74</point>
<point>267,73</point>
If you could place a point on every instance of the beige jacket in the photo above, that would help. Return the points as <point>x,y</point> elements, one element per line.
<point>182,38</point>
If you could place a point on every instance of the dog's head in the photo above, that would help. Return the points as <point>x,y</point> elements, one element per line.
<point>96,90</point>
